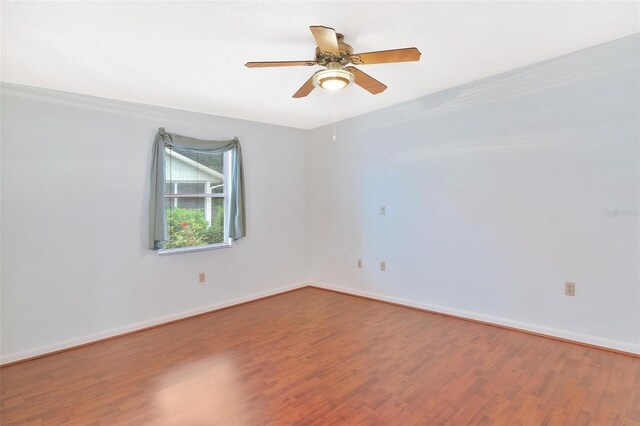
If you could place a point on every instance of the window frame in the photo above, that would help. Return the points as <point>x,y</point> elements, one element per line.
<point>227,242</point>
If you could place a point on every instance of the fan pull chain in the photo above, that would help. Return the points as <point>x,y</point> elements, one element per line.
<point>333,100</point>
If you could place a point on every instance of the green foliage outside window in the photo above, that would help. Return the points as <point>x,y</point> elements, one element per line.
<point>189,228</point>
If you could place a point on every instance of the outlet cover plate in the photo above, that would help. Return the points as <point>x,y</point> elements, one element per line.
<point>569,288</point>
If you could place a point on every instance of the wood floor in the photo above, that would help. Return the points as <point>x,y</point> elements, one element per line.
<point>317,357</point>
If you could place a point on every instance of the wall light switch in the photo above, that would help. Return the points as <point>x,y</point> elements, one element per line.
<point>201,278</point>
<point>383,210</point>
<point>359,263</point>
<point>383,266</point>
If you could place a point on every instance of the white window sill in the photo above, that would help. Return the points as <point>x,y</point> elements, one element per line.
<point>193,249</point>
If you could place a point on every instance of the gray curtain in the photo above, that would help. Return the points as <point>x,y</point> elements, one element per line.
<point>158,232</point>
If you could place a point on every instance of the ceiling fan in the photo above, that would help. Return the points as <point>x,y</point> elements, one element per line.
<point>335,55</point>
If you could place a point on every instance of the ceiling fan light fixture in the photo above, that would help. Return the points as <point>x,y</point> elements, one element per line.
<point>336,55</point>
<point>332,79</point>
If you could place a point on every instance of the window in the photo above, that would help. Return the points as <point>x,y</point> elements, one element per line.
<point>195,200</point>
<point>198,185</point>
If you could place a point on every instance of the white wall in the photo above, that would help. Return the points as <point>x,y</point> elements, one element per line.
<point>75,188</point>
<point>495,194</point>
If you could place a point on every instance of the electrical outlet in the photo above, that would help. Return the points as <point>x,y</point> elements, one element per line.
<point>201,278</point>
<point>383,210</point>
<point>569,288</point>
<point>383,266</point>
<point>359,263</point>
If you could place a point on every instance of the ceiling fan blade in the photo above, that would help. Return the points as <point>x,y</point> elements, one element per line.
<point>385,56</point>
<point>326,39</point>
<point>306,88</point>
<point>365,81</point>
<point>280,64</point>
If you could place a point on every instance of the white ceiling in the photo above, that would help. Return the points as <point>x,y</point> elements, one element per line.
<point>190,55</point>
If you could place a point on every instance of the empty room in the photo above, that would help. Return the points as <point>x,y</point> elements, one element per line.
<point>336,212</point>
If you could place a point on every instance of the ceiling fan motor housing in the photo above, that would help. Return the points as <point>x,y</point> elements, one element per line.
<point>325,58</point>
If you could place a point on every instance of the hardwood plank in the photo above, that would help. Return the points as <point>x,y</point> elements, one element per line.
<point>318,357</point>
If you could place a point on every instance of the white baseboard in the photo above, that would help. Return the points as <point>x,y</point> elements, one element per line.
<point>563,334</point>
<point>554,332</point>
<point>43,350</point>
